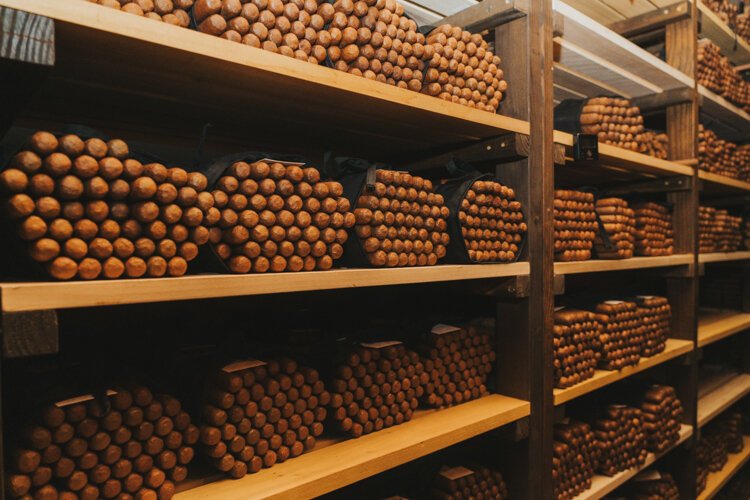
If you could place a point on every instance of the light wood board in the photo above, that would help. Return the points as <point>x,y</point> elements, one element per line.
<point>717,480</point>
<point>719,109</point>
<point>719,399</point>
<point>716,325</point>
<point>706,258</point>
<point>596,266</point>
<point>720,184</point>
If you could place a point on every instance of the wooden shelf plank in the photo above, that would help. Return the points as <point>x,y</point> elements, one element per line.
<point>717,480</point>
<point>722,397</point>
<point>596,266</point>
<point>735,48</point>
<point>706,258</point>
<point>603,485</point>
<point>720,184</point>
<point>601,378</point>
<point>733,123</point>
<point>321,471</point>
<point>716,325</point>
<point>31,296</point>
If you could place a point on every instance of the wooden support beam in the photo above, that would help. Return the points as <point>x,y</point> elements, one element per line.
<point>652,20</point>
<point>484,154</point>
<point>666,98</point>
<point>487,14</point>
<point>30,333</point>
<point>515,287</point>
<point>663,185</point>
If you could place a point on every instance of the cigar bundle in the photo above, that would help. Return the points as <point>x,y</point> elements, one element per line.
<point>727,10</point>
<point>722,157</point>
<point>456,483</point>
<point>622,336</point>
<point>270,216</point>
<point>575,225</point>
<point>654,235</point>
<point>458,362</point>
<point>654,144</point>
<point>402,222</point>
<point>706,230</point>
<point>170,11</point>
<point>746,234</point>
<point>575,333</point>
<point>655,313</point>
<point>620,439</point>
<point>661,417</point>
<point>377,386</point>
<point>139,447</point>
<point>614,121</point>
<point>730,425</point>
<point>258,414</point>
<point>711,454</point>
<point>492,222</point>
<point>701,480</point>
<point>618,222</point>
<point>717,74</point>
<point>574,458</point>
<point>462,68</point>
<point>653,485</point>
<point>89,210</point>
<point>727,231</point>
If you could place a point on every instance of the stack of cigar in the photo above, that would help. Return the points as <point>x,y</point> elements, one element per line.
<point>706,230</point>
<point>133,445</point>
<point>717,74</point>
<point>727,10</point>
<point>377,386</point>
<point>620,439</point>
<point>575,332</point>
<point>402,222</point>
<point>655,144</point>
<point>575,225</point>
<point>661,417</point>
<point>741,158</point>
<point>730,425</point>
<point>462,68</point>
<point>622,334</point>
<point>655,313</point>
<point>170,11</point>
<point>742,25</point>
<point>654,235</point>
<point>711,453</point>
<point>492,222</point>
<point>89,210</point>
<point>746,234</point>
<point>469,482</point>
<point>618,222</point>
<point>727,230</point>
<point>258,414</point>
<point>701,480</point>
<point>615,121</point>
<point>722,157</point>
<point>268,216</point>
<point>574,458</point>
<point>652,485</point>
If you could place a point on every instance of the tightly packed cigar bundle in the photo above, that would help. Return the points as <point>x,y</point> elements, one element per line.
<point>575,225</point>
<point>615,121</point>
<point>377,386</point>
<point>618,222</point>
<point>575,333</point>
<point>661,417</point>
<point>574,458</point>
<point>711,454</point>
<point>654,235</point>
<point>620,439</point>
<point>706,230</point>
<point>89,210</point>
<point>654,144</point>
<point>462,68</point>
<point>492,222</point>
<point>722,157</point>
<point>702,480</point>
<point>655,313</point>
<point>270,217</point>
<point>727,231</point>
<point>717,74</point>
<point>653,485</point>
<point>170,11</point>
<point>622,336</point>
<point>746,234</point>
<point>258,414</point>
<point>402,222</point>
<point>727,10</point>
<point>138,448</point>
<point>455,483</point>
<point>730,425</point>
<point>458,362</point>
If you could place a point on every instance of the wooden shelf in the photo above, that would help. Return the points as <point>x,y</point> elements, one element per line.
<point>601,378</point>
<point>596,266</point>
<point>29,296</point>
<point>711,403</point>
<point>603,485</point>
<point>717,480</point>
<point>716,325</point>
<point>726,119</point>
<point>321,471</point>
<point>734,47</point>
<point>706,258</point>
<point>720,184</point>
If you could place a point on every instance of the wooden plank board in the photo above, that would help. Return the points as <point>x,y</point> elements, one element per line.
<point>585,85</point>
<point>706,258</point>
<point>601,378</point>
<point>716,401</point>
<point>597,11</point>
<point>716,325</point>
<point>719,184</point>
<point>717,480</point>
<point>596,266</point>
<point>712,27</point>
<point>31,296</point>
<point>731,117</point>
<point>603,485</point>
<point>630,8</point>
<point>321,471</point>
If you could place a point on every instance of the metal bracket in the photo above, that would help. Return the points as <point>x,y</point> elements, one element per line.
<point>487,14</point>
<point>515,287</point>
<point>663,185</point>
<point>31,333</point>
<point>514,431</point>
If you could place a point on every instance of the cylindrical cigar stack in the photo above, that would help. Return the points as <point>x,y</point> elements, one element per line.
<point>661,417</point>
<point>654,235</point>
<point>661,487</point>
<point>574,458</point>
<point>706,230</point>
<point>455,483</point>
<point>614,121</point>
<point>722,157</point>
<point>89,210</point>
<point>741,159</point>
<point>622,334</point>
<point>725,9</point>
<point>701,479</point>
<point>402,222</point>
<point>170,11</point>
<point>730,425</point>
<point>462,68</point>
<point>377,386</point>
<point>655,313</point>
<point>258,414</point>
<point>458,362</point>
<point>492,223</point>
<point>618,222</point>
<point>717,74</point>
<point>575,332</point>
<point>270,217</point>
<point>655,144</point>
<point>711,453</point>
<point>728,235</point>
<point>575,225</point>
<point>620,439</point>
<point>746,234</point>
<point>138,448</point>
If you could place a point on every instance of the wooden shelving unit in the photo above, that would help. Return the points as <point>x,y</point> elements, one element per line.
<point>706,258</point>
<point>721,396</point>
<point>733,47</point>
<point>597,266</point>
<point>717,325</point>
<point>719,184</point>
<point>717,480</point>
